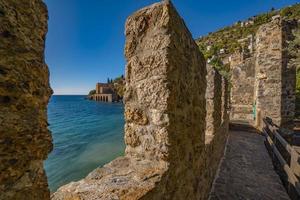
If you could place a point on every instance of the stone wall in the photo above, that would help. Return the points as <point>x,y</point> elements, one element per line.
<point>217,117</point>
<point>225,100</point>
<point>213,106</point>
<point>166,157</point>
<point>24,93</point>
<point>165,107</point>
<point>242,90</point>
<point>265,79</point>
<point>214,152</point>
<point>275,80</point>
<point>288,107</point>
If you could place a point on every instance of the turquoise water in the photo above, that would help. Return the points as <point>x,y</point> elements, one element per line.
<point>86,134</point>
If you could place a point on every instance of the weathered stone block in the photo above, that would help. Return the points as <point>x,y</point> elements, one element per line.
<point>225,100</point>
<point>275,81</point>
<point>217,125</point>
<point>242,90</point>
<point>165,83</point>
<point>264,84</point>
<point>213,103</point>
<point>24,93</point>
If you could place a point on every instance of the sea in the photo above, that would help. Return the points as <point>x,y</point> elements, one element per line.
<point>86,135</point>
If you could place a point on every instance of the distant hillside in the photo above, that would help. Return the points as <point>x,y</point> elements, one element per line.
<point>119,85</point>
<point>227,38</point>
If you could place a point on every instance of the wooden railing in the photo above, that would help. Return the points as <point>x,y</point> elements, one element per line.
<point>287,155</point>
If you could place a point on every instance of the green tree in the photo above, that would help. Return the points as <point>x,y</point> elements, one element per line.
<point>92,92</point>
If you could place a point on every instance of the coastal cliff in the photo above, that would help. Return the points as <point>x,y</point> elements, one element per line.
<point>24,93</point>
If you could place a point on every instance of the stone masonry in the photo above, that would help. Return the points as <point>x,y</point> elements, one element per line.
<point>219,118</point>
<point>166,157</point>
<point>225,100</point>
<point>242,91</point>
<point>165,111</point>
<point>275,81</point>
<point>263,83</point>
<point>288,108</point>
<point>213,105</point>
<point>173,146</point>
<point>24,93</point>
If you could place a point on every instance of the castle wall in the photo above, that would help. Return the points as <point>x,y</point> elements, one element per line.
<point>266,80</point>
<point>165,106</point>
<point>288,107</point>
<point>242,90</point>
<point>275,79</point>
<point>213,106</point>
<point>24,93</point>
<point>217,120</point>
<point>225,100</point>
<point>166,157</point>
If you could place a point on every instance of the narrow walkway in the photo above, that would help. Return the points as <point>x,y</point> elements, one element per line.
<point>247,171</point>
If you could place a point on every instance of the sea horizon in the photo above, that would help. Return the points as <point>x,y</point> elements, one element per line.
<point>69,94</point>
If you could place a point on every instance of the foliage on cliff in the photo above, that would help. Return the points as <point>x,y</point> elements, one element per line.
<point>119,85</point>
<point>92,92</point>
<point>227,38</point>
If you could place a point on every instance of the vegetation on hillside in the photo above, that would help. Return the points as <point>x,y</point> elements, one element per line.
<point>92,92</point>
<point>227,38</point>
<point>119,85</point>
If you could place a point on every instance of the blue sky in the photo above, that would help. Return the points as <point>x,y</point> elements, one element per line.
<point>85,40</point>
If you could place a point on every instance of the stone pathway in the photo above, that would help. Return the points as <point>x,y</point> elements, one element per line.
<point>247,171</point>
